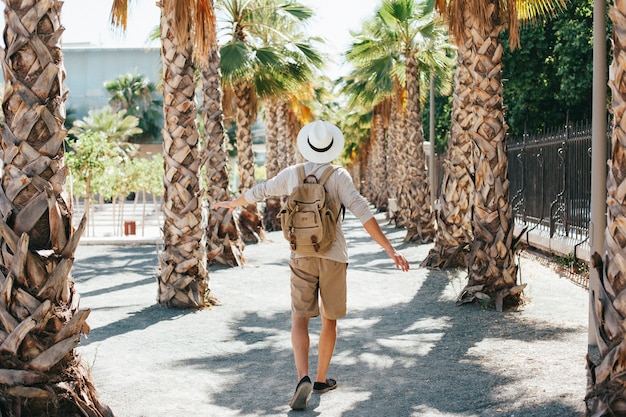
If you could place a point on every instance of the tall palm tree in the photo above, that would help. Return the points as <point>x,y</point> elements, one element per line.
<point>186,31</point>
<point>40,319</point>
<point>607,393</point>
<point>476,25</point>
<point>223,242</point>
<point>250,66</point>
<point>400,43</point>
<point>420,42</point>
<point>371,85</point>
<point>454,217</point>
<point>183,277</point>
<point>288,78</point>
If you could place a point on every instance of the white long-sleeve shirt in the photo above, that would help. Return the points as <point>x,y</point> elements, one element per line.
<point>340,188</point>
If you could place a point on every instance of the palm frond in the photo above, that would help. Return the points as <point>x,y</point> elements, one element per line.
<point>533,10</point>
<point>119,13</point>
<point>235,60</point>
<point>203,32</point>
<point>297,10</point>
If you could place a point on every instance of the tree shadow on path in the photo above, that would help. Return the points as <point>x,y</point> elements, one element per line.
<point>412,358</point>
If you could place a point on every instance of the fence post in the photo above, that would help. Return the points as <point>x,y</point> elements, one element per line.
<point>557,207</point>
<point>597,225</point>
<point>518,201</point>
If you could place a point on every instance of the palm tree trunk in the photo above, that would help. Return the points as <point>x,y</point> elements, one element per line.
<point>272,156</point>
<point>395,140</point>
<point>607,393</point>
<point>293,127</point>
<point>492,269</point>
<point>279,159</point>
<point>41,323</point>
<point>378,159</point>
<point>244,119</point>
<point>223,245</point>
<point>361,169</point>
<point>249,219</point>
<point>183,277</point>
<point>414,196</point>
<point>367,181</point>
<point>454,217</point>
<point>285,138</point>
<point>271,138</point>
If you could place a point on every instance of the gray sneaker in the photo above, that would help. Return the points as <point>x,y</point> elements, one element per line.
<point>300,400</point>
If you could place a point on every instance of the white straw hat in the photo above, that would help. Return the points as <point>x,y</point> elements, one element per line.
<point>320,141</point>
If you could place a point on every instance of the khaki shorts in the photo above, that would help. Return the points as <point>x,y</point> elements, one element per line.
<point>313,279</point>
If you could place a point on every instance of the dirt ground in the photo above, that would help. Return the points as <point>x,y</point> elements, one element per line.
<point>405,348</point>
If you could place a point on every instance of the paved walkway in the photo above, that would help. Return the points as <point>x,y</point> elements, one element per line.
<point>404,349</point>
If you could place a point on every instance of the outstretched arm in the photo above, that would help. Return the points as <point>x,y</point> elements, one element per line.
<point>377,234</point>
<point>231,204</point>
<point>276,186</point>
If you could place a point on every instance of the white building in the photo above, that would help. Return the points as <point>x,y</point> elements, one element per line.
<point>89,67</point>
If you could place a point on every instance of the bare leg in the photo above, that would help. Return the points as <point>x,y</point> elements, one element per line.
<point>328,337</point>
<point>300,343</point>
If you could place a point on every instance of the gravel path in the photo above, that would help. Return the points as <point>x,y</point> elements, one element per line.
<point>404,349</point>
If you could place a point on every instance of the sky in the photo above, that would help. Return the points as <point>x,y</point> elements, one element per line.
<point>88,21</point>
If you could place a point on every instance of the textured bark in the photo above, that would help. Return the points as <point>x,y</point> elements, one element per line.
<point>416,214</point>
<point>492,269</point>
<point>378,163</point>
<point>367,186</point>
<point>285,138</point>
<point>250,223</point>
<point>454,216</point>
<point>244,119</point>
<point>272,161</point>
<point>223,244</point>
<point>183,279</point>
<point>271,138</point>
<point>608,379</point>
<point>360,180</point>
<point>355,167</point>
<point>281,159</point>
<point>395,139</point>
<point>293,127</point>
<point>40,320</point>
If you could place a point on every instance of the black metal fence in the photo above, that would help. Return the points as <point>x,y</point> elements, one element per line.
<point>550,181</point>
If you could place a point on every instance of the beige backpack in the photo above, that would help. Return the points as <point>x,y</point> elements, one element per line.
<point>309,217</point>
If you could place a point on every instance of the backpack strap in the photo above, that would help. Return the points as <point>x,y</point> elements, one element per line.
<point>326,175</point>
<point>300,171</point>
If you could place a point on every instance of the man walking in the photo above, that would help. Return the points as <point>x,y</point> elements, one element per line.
<point>318,282</point>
